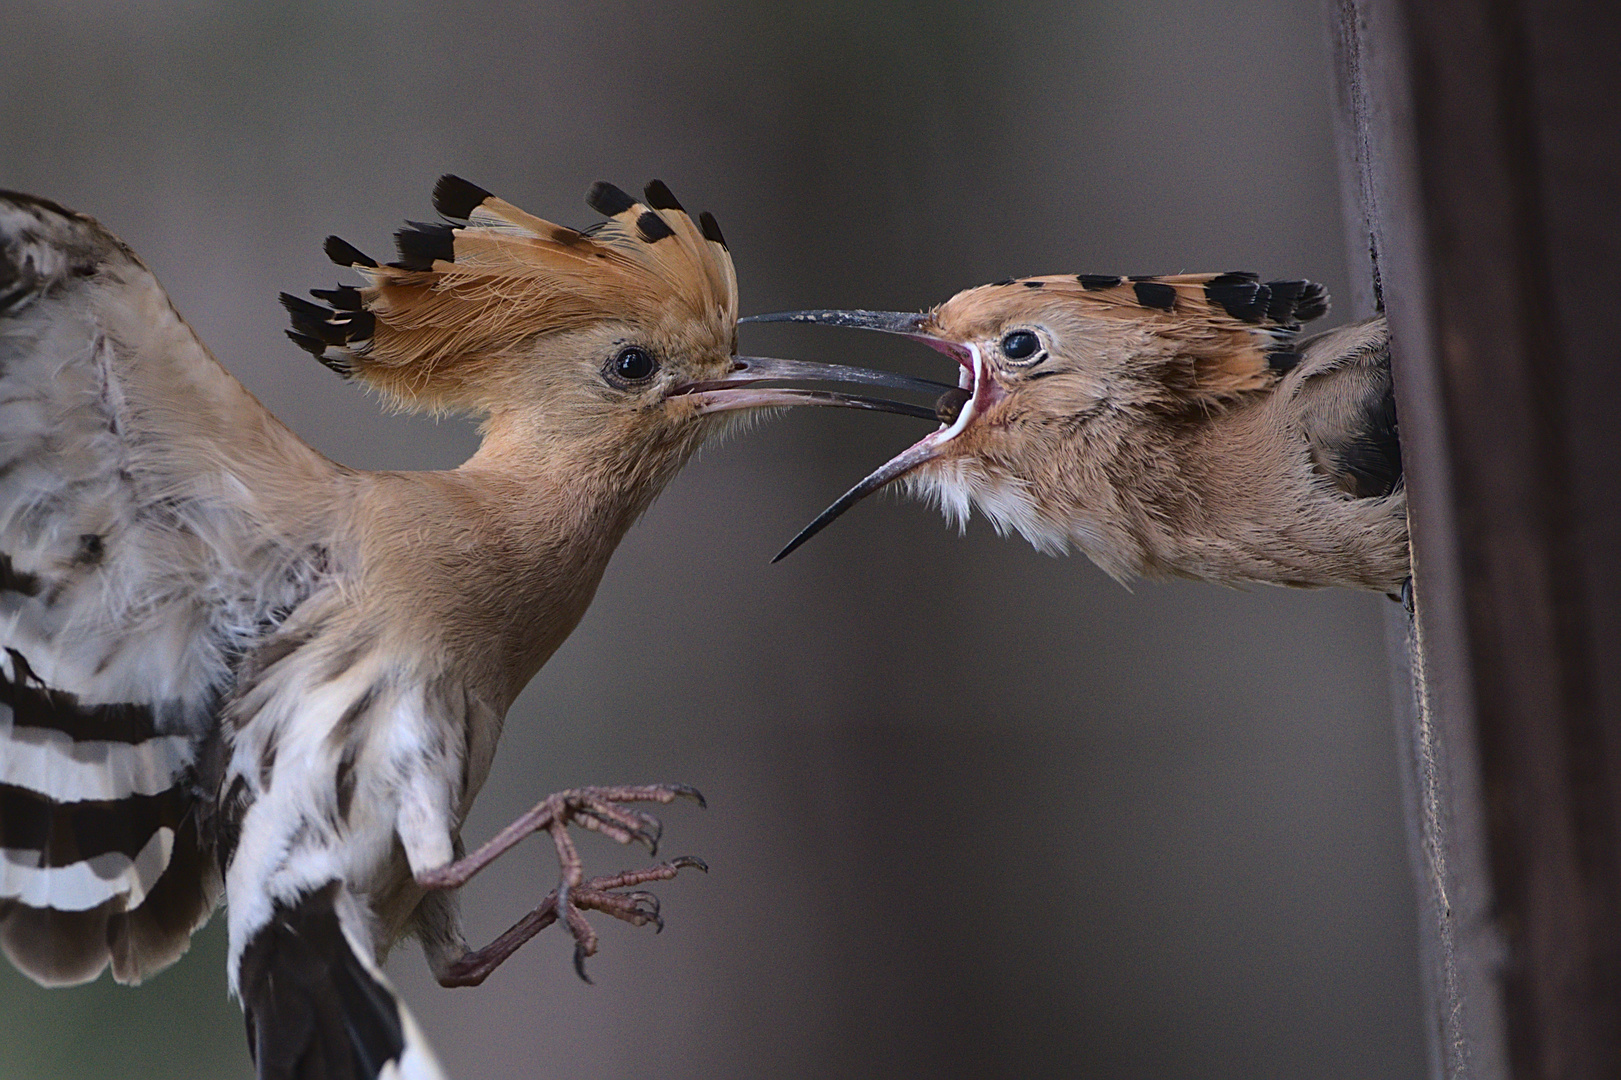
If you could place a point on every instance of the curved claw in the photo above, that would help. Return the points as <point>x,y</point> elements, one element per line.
<point>647,906</point>
<point>649,834</point>
<point>579,964</point>
<point>683,862</point>
<point>654,831</point>
<point>687,791</point>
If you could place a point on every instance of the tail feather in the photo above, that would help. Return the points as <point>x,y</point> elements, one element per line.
<point>317,1007</point>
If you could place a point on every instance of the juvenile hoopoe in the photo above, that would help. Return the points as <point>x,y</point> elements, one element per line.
<point>1165,426</point>
<point>229,664</point>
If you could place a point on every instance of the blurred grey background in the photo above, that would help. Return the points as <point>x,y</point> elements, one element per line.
<point>974,812</point>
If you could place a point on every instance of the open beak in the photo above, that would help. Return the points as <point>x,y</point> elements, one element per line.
<point>972,395</point>
<point>740,388</point>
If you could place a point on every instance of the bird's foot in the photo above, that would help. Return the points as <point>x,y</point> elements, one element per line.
<point>596,808</point>
<point>599,894</point>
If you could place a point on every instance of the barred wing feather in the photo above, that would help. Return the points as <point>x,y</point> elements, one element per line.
<point>133,570</point>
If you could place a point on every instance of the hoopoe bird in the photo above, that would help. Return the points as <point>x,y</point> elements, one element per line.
<point>1164,426</point>
<point>231,666</point>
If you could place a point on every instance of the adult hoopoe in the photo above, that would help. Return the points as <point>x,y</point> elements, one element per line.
<point>227,663</point>
<point>1167,427</point>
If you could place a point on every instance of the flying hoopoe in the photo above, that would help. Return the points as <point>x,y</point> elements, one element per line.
<point>1165,426</point>
<point>229,664</point>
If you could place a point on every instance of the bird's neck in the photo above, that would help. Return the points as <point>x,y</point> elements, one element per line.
<point>576,488</point>
<point>549,517</point>
<point>1121,509</point>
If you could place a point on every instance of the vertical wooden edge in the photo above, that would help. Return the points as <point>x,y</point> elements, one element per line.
<point>1432,689</point>
<point>1514,160</point>
<point>1349,90</point>
<point>1435,966</point>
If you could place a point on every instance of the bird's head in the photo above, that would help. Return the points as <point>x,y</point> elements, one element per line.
<point>613,346</point>
<point>1063,378</point>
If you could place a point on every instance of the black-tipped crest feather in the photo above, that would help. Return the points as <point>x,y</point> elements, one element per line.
<point>1313,302</point>
<point>711,228</point>
<point>422,243</point>
<point>426,328</point>
<point>1241,295</point>
<point>457,198</point>
<point>1154,294</point>
<point>344,253</point>
<point>344,297</point>
<point>652,227</point>
<point>317,349</point>
<point>316,328</point>
<point>1295,302</point>
<point>311,320</point>
<point>608,200</point>
<point>659,197</point>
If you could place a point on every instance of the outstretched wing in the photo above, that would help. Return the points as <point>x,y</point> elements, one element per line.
<point>137,560</point>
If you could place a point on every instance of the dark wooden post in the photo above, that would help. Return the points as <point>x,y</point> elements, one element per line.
<point>1483,163</point>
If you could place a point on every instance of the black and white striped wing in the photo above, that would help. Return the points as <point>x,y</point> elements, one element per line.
<point>132,573</point>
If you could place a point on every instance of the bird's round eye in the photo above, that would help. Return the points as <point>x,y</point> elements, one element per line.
<point>634,364</point>
<point>1020,345</point>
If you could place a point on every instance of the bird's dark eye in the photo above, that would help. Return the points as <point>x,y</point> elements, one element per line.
<point>633,364</point>
<point>1020,345</point>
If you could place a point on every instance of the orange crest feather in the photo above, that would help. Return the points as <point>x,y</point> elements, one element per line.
<point>463,296</point>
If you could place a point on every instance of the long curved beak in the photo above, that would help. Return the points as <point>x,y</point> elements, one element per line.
<point>893,469</point>
<point>917,325</point>
<point>739,389</point>
<point>955,409</point>
<point>910,323</point>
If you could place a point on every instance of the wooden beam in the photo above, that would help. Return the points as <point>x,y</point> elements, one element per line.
<point>1487,143</point>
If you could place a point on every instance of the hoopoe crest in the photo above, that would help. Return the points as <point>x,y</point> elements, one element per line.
<point>228,664</point>
<point>449,325</point>
<point>1166,426</point>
